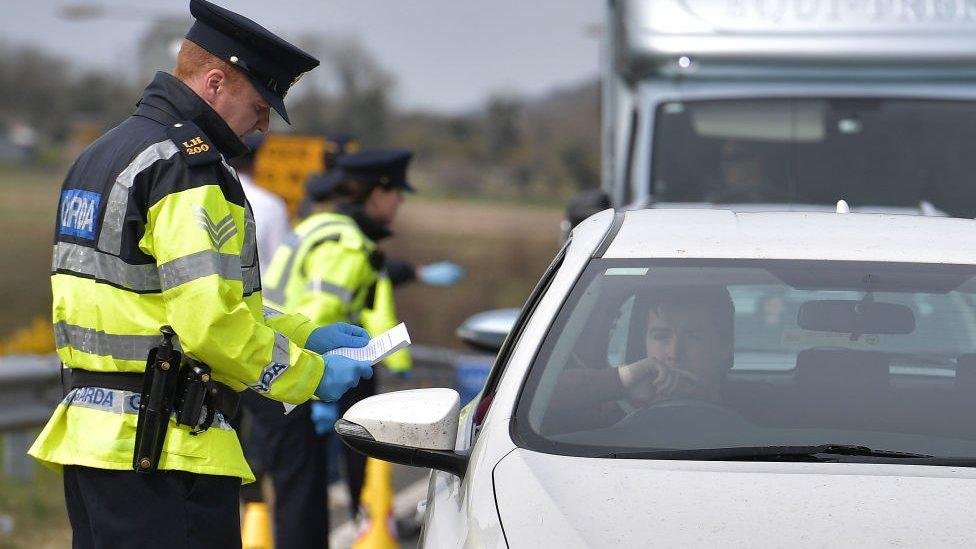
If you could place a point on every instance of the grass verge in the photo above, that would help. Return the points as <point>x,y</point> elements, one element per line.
<point>35,509</point>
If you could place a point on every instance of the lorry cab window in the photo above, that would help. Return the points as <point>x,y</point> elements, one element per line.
<point>815,151</point>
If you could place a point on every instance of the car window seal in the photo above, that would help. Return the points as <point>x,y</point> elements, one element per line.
<point>618,221</point>
<point>501,359</point>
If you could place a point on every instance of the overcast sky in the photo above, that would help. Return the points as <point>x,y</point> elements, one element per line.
<point>446,55</point>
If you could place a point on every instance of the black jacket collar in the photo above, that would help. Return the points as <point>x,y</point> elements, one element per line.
<point>374,230</point>
<point>167,100</point>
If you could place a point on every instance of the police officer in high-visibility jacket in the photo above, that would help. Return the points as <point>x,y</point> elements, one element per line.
<point>158,313</point>
<point>330,268</point>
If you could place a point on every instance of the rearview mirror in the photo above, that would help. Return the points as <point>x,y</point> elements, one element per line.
<point>487,331</point>
<point>856,317</point>
<point>417,427</point>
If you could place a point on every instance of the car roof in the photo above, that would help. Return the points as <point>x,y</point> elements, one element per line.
<point>923,208</point>
<point>697,233</point>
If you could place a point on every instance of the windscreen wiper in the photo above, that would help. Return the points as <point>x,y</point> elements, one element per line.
<point>818,453</point>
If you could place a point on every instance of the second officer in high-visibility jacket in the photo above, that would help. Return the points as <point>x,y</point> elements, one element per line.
<point>330,269</point>
<point>158,313</point>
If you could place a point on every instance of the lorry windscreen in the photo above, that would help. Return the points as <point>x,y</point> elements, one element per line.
<point>867,151</point>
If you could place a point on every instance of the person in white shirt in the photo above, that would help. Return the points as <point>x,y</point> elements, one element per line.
<point>264,429</point>
<point>270,212</point>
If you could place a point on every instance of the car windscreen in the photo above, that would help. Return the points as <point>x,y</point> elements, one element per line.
<point>682,354</point>
<point>869,152</point>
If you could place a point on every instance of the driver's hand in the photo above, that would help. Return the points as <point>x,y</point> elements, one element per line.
<point>668,379</point>
<point>659,381</point>
<point>637,373</point>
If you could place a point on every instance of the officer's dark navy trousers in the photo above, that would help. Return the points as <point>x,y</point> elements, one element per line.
<point>287,448</point>
<point>165,509</point>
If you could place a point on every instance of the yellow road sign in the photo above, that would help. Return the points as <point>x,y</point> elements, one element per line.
<point>284,162</point>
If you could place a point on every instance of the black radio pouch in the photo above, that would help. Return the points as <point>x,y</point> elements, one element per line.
<point>192,396</point>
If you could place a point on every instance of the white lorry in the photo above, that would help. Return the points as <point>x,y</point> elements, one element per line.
<point>792,103</point>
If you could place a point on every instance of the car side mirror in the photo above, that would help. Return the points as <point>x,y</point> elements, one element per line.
<point>417,427</point>
<point>486,331</point>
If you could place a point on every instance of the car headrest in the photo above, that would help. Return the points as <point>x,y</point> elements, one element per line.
<point>842,369</point>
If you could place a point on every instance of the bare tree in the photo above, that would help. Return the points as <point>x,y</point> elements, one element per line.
<point>41,90</point>
<point>349,93</point>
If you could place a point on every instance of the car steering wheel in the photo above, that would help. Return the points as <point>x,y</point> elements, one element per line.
<point>682,408</point>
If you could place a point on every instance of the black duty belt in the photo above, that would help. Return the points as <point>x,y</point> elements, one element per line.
<point>173,386</point>
<point>222,398</point>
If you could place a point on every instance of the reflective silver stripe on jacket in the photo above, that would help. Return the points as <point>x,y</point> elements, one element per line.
<point>282,350</point>
<point>249,253</point>
<point>293,242</point>
<point>198,265</point>
<point>271,312</point>
<point>96,342</point>
<point>102,266</point>
<point>251,279</point>
<point>280,361</point>
<point>119,402</point>
<point>110,238</point>
<point>321,286</point>
<point>144,278</point>
<point>276,293</point>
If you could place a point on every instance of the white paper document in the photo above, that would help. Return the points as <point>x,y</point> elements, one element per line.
<point>379,347</point>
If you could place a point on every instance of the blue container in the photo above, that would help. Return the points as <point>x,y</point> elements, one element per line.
<point>471,371</point>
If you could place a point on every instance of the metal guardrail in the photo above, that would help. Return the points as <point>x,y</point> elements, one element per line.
<point>30,389</point>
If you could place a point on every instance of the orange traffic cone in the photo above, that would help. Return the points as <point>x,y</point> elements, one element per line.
<point>378,527</point>
<point>256,532</point>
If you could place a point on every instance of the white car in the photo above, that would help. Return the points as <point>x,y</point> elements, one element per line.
<point>631,406</point>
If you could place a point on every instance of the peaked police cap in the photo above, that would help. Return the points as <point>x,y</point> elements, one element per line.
<point>382,167</point>
<point>385,167</point>
<point>338,145</point>
<point>270,63</point>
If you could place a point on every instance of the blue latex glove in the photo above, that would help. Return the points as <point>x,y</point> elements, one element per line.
<point>442,273</point>
<point>341,374</point>
<point>334,336</point>
<point>324,416</point>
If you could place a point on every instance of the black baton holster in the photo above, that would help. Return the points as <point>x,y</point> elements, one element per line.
<point>156,403</point>
<point>173,385</point>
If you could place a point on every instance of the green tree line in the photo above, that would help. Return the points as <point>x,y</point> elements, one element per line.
<point>540,149</point>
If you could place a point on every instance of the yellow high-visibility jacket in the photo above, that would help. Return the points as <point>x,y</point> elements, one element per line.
<point>153,229</point>
<point>327,270</point>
